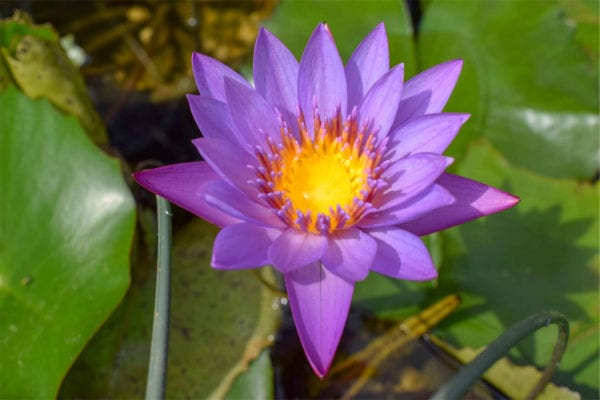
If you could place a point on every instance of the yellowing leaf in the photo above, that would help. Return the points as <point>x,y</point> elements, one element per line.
<point>515,381</point>
<point>42,69</point>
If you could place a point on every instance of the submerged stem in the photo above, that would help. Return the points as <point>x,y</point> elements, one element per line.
<point>159,350</point>
<point>460,383</point>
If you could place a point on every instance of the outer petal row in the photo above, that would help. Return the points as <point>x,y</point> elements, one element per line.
<point>402,255</point>
<point>295,249</point>
<point>251,245</point>
<point>187,185</point>
<point>184,184</point>
<point>427,201</point>
<point>320,301</point>
<point>226,198</point>
<point>247,245</point>
<point>229,162</point>
<point>473,200</point>
<point>350,254</point>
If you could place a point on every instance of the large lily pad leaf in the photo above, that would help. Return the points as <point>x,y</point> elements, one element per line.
<point>531,87</point>
<point>294,21</point>
<point>220,322</point>
<point>66,223</point>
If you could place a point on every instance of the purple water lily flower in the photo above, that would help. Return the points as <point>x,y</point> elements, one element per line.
<point>324,172</point>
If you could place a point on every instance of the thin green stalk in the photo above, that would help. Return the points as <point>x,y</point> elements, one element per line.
<point>159,350</point>
<point>466,377</point>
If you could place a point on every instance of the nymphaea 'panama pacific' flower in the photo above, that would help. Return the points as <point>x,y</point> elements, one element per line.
<point>325,172</point>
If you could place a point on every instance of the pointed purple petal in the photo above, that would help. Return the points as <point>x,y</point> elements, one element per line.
<point>402,255</point>
<point>367,64</point>
<point>321,77</point>
<point>430,133</point>
<point>229,162</point>
<point>210,74</point>
<point>380,104</point>
<point>253,116</point>
<point>428,92</point>
<point>224,197</point>
<point>410,176</point>
<point>184,185</point>
<point>350,254</point>
<point>243,245</point>
<point>213,118</point>
<point>320,301</point>
<point>429,200</point>
<point>275,72</point>
<point>295,249</point>
<point>473,200</point>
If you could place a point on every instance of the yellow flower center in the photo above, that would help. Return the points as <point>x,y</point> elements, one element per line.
<point>324,183</point>
<point>315,182</point>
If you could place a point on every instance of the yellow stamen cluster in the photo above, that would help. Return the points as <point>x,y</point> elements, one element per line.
<point>320,184</point>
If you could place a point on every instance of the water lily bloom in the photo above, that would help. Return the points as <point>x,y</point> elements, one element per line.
<point>325,172</point>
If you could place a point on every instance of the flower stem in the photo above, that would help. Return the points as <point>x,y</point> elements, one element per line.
<point>462,381</point>
<point>159,349</point>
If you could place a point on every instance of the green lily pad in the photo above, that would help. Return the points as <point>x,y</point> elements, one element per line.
<point>293,22</point>
<point>220,322</point>
<point>515,381</point>
<point>66,223</point>
<point>531,87</point>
